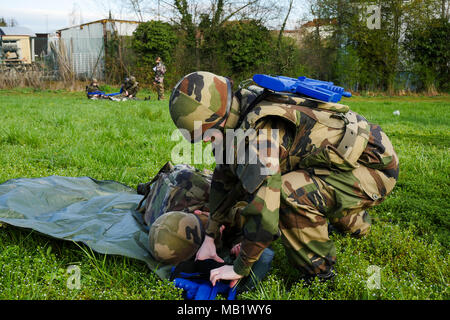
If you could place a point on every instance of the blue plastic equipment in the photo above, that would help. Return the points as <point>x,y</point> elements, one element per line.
<point>320,90</point>
<point>200,289</point>
<point>106,94</point>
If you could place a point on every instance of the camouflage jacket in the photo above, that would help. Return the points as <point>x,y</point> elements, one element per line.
<point>160,70</point>
<point>184,188</point>
<point>175,188</point>
<point>131,89</point>
<point>311,135</point>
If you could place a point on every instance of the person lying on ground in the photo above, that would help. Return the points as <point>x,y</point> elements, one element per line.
<point>175,207</point>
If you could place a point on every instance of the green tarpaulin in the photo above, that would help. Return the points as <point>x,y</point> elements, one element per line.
<point>100,214</point>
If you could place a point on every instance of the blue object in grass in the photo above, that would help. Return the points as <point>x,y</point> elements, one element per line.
<point>104,94</point>
<point>316,89</point>
<point>193,277</point>
<point>200,289</point>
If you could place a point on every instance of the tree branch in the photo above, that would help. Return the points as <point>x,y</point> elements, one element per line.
<point>237,11</point>
<point>280,35</point>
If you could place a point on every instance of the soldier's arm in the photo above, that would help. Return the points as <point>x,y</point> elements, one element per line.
<point>262,213</point>
<point>223,196</point>
<point>260,184</point>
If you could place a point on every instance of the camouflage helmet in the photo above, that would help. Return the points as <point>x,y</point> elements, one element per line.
<point>132,79</point>
<point>200,97</point>
<point>175,237</point>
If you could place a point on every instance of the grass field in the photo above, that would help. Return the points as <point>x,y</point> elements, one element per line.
<point>62,133</point>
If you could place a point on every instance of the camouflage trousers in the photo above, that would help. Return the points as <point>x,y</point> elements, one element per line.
<point>308,202</point>
<point>160,90</point>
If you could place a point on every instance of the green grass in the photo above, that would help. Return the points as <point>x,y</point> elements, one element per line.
<point>46,133</point>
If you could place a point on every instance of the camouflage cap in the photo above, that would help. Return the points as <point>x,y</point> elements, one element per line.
<point>200,96</point>
<point>175,237</point>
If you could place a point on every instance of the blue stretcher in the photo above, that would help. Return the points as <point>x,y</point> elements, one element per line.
<point>106,94</point>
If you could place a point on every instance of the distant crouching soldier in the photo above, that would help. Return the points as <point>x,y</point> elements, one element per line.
<point>130,88</point>
<point>93,91</point>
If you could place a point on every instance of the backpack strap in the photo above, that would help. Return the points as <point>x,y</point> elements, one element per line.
<point>356,129</point>
<point>346,154</point>
<point>348,140</point>
<point>355,138</point>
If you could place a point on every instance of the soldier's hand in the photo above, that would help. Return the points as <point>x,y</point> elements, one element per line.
<point>236,249</point>
<point>224,273</point>
<point>208,250</point>
<point>200,212</point>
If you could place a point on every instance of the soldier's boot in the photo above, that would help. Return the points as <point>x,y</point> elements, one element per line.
<point>356,224</point>
<point>322,277</point>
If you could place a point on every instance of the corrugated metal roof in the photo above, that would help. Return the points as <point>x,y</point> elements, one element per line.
<point>99,21</point>
<point>16,31</point>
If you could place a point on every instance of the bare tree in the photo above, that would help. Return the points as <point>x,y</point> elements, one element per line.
<point>283,26</point>
<point>444,9</point>
<point>12,22</point>
<point>187,12</point>
<point>137,8</point>
<point>75,15</point>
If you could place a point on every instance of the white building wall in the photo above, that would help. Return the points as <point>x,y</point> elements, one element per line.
<point>85,49</point>
<point>85,45</point>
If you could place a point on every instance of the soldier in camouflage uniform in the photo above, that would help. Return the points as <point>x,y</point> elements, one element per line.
<point>326,163</point>
<point>93,91</point>
<point>173,191</point>
<point>130,88</point>
<point>160,70</point>
<point>175,207</point>
<point>175,188</point>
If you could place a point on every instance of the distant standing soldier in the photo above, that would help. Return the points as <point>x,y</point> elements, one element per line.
<point>160,70</point>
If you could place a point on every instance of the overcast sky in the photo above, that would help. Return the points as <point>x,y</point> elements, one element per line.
<point>51,15</point>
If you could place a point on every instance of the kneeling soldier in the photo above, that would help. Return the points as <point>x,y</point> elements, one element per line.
<point>321,162</point>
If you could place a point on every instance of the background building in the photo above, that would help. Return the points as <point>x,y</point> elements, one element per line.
<point>85,46</point>
<point>16,45</point>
